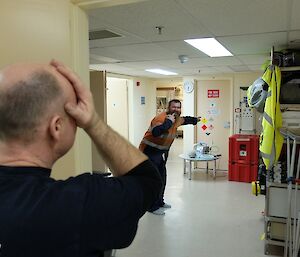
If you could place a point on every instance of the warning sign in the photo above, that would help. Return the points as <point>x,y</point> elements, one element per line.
<point>213,93</point>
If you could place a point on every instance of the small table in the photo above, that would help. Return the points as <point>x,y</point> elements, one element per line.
<point>204,158</point>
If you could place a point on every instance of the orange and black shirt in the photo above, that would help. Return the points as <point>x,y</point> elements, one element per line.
<point>162,131</point>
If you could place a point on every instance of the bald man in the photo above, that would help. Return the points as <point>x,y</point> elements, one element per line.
<point>41,107</point>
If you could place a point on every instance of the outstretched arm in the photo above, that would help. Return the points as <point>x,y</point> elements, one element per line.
<point>190,120</point>
<point>117,152</point>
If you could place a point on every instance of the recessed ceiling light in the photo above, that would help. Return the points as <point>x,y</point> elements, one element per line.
<point>209,46</point>
<point>160,71</point>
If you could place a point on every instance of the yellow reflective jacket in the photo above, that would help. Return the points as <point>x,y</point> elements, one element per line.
<point>271,140</point>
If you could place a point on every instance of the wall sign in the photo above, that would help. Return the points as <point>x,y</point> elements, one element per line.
<point>203,120</point>
<point>213,112</point>
<point>213,93</point>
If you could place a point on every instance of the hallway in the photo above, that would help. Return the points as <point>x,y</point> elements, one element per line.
<point>208,218</point>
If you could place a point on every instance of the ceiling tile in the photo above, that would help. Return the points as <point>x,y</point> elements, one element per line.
<point>135,52</point>
<point>254,44</point>
<point>255,68</point>
<point>239,68</point>
<point>142,18</point>
<point>236,17</point>
<point>255,59</point>
<point>295,17</point>
<point>181,47</point>
<point>201,62</point>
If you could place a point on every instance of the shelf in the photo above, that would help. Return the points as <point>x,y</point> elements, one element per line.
<point>291,133</point>
<point>281,185</point>
<point>293,68</point>
<point>274,242</point>
<point>275,219</point>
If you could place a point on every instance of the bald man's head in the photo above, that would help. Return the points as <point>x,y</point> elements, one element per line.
<point>25,97</point>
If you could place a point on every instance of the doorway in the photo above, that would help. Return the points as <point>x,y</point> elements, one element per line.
<point>117,105</point>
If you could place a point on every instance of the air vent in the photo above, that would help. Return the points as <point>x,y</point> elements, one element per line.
<point>102,34</point>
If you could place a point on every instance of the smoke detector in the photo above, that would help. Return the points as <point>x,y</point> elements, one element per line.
<point>183,58</point>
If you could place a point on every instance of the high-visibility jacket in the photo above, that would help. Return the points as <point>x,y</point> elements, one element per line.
<point>271,140</point>
<point>164,141</point>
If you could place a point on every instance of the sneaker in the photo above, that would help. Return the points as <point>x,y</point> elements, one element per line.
<point>167,206</point>
<point>158,212</point>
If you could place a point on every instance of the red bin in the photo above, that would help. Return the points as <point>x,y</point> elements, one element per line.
<point>243,158</point>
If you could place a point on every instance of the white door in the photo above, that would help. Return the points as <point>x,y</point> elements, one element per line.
<point>214,106</point>
<point>117,105</point>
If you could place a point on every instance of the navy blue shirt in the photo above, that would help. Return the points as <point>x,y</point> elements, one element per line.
<point>80,216</point>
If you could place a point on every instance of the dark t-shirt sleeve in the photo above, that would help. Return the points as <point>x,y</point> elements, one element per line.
<point>160,129</point>
<point>114,205</point>
<point>190,120</point>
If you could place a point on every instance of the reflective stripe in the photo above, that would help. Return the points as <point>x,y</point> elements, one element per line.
<point>270,157</point>
<point>168,136</point>
<point>268,118</point>
<point>265,155</point>
<point>160,147</point>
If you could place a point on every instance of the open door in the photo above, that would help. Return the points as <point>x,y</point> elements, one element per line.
<point>98,89</point>
<point>117,105</point>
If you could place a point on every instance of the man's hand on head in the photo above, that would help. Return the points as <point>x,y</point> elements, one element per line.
<point>84,111</point>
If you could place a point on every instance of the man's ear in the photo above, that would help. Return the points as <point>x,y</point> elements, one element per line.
<point>56,127</point>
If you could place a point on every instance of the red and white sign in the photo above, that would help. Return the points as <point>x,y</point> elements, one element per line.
<point>213,93</point>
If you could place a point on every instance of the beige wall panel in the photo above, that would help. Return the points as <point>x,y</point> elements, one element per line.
<point>34,31</point>
<point>37,31</point>
<point>80,64</point>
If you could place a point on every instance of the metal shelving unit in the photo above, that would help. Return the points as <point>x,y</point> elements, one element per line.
<point>282,205</point>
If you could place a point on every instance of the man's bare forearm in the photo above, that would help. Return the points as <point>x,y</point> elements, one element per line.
<point>117,152</point>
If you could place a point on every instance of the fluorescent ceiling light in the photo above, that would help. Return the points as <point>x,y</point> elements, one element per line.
<point>163,72</point>
<point>209,46</point>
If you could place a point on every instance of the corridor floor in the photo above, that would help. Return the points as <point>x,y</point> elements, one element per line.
<point>208,218</point>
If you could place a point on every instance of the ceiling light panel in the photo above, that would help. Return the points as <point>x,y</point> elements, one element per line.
<point>209,46</point>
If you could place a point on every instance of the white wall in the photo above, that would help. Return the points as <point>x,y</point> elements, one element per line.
<point>243,80</point>
<point>142,114</point>
<point>189,109</point>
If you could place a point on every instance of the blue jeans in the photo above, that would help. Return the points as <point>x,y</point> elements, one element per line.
<point>159,159</point>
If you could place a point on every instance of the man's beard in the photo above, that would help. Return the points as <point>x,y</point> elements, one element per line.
<point>176,113</point>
